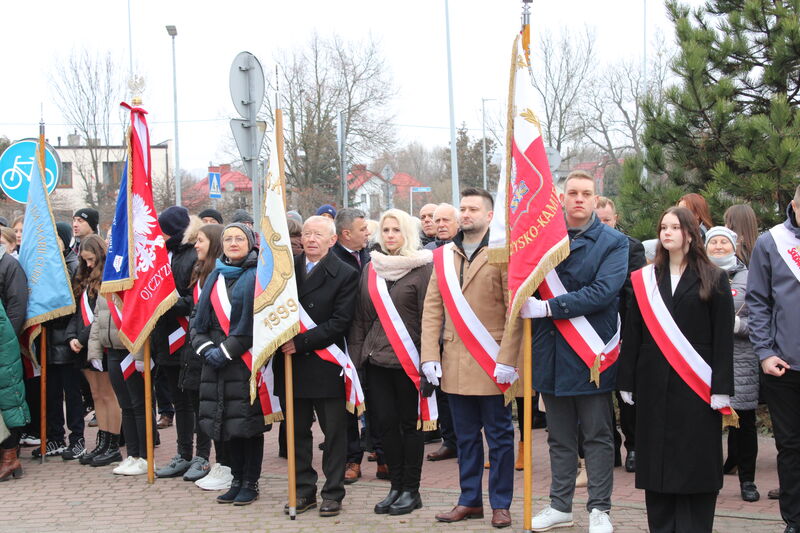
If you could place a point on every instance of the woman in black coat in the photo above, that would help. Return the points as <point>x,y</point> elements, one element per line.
<point>226,413</point>
<point>678,434</point>
<point>393,397</point>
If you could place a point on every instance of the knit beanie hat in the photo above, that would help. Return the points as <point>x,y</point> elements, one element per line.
<point>251,239</point>
<point>64,231</point>
<point>212,213</point>
<point>717,231</point>
<point>174,220</point>
<point>326,209</point>
<point>240,215</point>
<point>89,215</point>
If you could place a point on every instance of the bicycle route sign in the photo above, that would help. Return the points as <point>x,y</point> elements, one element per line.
<point>16,164</point>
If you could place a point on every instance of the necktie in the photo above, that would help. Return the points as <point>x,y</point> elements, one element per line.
<point>309,266</point>
<point>358,257</point>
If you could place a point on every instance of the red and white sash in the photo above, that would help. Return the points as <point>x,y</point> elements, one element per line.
<point>128,365</point>
<point>476,338</point>
<point>354,395</point>
<point>86,310</point>
<point>677,349</point>
<point>270,406</point>
<point>788,247</point>
<point>402,344</point>
<point>114,311</point>
<point>580,335</point>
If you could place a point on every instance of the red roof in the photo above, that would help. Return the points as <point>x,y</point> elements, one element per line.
<point>403,182</point>
<point>359,175</point>
<point>198,194</point>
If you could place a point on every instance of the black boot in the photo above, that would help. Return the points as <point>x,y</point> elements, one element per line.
<point>382,507</point>
<point>407,502</point>
<point>247,494</point>
<point>100,447</point>
<point>749,492</point>
<point>111,454</point>
<point>230,496</point>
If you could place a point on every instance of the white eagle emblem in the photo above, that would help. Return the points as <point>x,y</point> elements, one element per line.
<point>143,224</point>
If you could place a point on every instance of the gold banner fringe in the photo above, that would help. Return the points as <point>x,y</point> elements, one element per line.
<point>547,264</point>
<point>594,372</point>
<point>352,408</point>
<point>512,391</point>
<point>266,354</point>
<point>274,418</point>
<point>731,420</point>
<point>144,333</point>
<point>427,425</point>
<point>37,321</point>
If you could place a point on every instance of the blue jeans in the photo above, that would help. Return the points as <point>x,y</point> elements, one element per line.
<point>470,415</point>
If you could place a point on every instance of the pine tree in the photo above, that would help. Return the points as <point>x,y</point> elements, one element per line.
<point>730,129</point>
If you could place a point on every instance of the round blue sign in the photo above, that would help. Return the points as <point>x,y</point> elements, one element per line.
<point>16,164</point>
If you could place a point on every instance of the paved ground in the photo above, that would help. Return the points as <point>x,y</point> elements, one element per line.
<point>64,497</point>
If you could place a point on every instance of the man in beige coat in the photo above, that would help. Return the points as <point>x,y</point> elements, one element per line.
<point>476,399</point>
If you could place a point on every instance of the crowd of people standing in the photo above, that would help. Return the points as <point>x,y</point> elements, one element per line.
<point>688,331</point>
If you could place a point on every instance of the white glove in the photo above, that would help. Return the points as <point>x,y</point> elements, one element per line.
<point>139,366</point>
<point>432,371</point>
<point>626,396</point>
<point>736,323</point>
<point>718,401</point>
<point>533,308</point>
<point>97,364</point>
<point>504,373</point>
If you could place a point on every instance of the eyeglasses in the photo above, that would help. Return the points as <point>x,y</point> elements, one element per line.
<point>238,239</point>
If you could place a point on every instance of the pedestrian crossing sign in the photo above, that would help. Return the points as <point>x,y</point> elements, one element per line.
<point>214,190</point>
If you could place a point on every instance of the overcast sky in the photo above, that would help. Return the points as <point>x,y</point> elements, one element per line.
<point>411,32</point>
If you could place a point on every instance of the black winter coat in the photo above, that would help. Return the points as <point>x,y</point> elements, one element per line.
<point>183,258</point>
<point>349,259</point>
<point>58,350</point>
<point>76,329</point>
<point>328,294</point>
<point>678,435</point>
<point>191,363</point>
<point>13,291</point>
<point>225,408</point>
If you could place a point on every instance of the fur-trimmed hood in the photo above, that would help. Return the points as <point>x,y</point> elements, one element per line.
<point>190,233</point>
<point>394,267</point>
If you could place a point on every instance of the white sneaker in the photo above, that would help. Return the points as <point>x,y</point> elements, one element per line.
<point>550,518</point>
<point>218,478</point>
<point>135,467</point>
<point>599,522</point>
<point>120,468</point>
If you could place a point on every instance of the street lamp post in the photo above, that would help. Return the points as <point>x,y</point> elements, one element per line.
<point>453,147</point>
<point>173,31</point>
<point>483,119</point>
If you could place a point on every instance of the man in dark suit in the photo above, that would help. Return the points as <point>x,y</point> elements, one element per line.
<point>327,289</point>
<point>606,211</point>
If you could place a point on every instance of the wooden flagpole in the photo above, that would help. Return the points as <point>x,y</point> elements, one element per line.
<point>43,392</point>
<point>527,422</point>
<point>148,414</point>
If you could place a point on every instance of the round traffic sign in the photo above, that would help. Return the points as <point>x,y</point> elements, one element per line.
<point>16,164</point>
<point>247,83</point>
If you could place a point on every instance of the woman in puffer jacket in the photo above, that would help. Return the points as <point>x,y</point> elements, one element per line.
<point>14,414</point>
<point>399,271</point>
<point>742,441</point>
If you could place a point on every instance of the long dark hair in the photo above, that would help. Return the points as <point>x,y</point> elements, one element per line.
<point>742,220</point>
<point>202,268</point>
<point>86,278</point>
<point>695,258</point>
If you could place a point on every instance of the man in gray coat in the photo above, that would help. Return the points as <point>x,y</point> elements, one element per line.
<point>773,293</point>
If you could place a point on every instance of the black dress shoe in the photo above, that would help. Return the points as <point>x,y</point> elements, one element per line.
<point>247,494</point>
<point>444,452</point>
<point>630,461</point>
<point>382,507</point>
<point>749,492</point>
<point>791,529</point>
<point>302,505</point>
<point>330,508</point>
<point>406,503</point>
<point>774,494</point>
<point>233,492</point>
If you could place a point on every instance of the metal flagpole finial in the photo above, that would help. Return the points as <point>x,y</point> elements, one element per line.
<point>136,85</point>
<point>526,12</point>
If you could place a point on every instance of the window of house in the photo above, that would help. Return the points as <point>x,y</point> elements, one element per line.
<point>112,172</point>
<point>65,181</point>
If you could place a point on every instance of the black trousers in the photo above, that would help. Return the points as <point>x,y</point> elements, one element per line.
<point>245,457</point>
<point>521,413</point>
<point>331,414</point>
<point>12,441</point>
<point>130,396</point>
<point>445,420</point>
<point>355,453</point>
<point>64,386</point>
<point>184,414</point>
<point>163,397</point>
<point>33,398</point>
<point>680,513</point>
<point>627,423</point>
<point>203,440</point>
<point>393,399</point>
<point>783,399</point>
<point>743,445</point>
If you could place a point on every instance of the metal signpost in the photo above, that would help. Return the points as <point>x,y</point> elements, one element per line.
<point>411,192</point>
<point>247,92</point>
<point>15,169</point>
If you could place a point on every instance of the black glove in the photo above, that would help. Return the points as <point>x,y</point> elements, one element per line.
<point>425,387</point>
<point>215,358</point>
